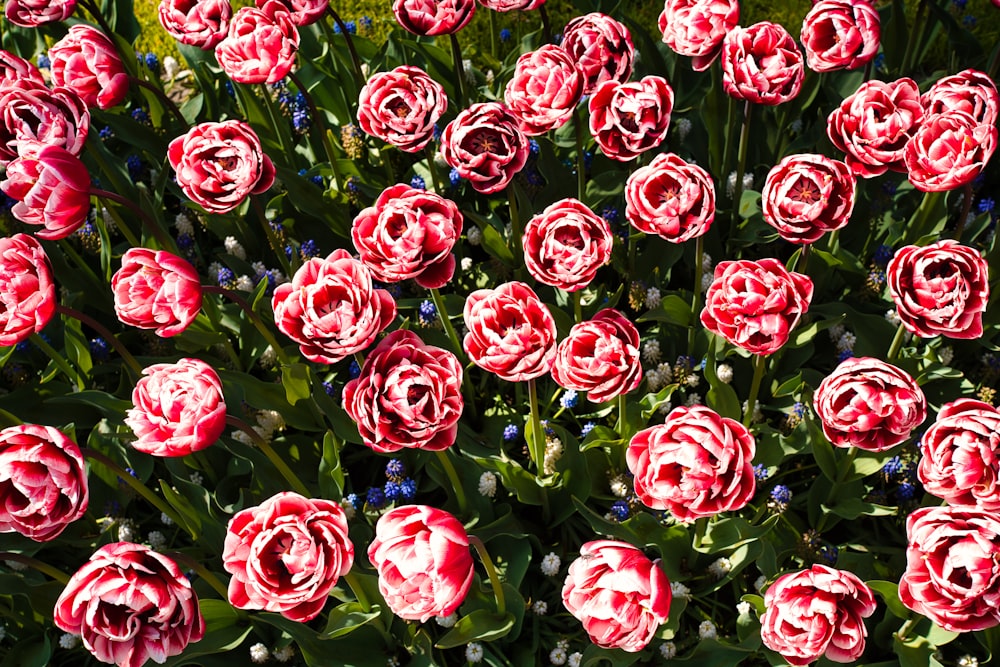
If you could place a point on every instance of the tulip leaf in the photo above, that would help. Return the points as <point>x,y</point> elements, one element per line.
<point>594,655</point>
<point>853,507</point>
<point>672,310</point>
<point>295,379</point>
<point>822,450</point>
<point>331,474</point>
<point>347,618</point>
<point>731,532</point>
<point>34,651</point>
<point>187,512</point>
<point>223,633</point>
<point>481,625</point>
<point>889,590</point>
<point>721,397</point>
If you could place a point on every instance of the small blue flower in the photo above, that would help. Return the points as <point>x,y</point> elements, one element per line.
<point>354,370</point>
<point>185,242</point>
<point>557,38</point>
<point>375,498</point>
<point>352,498</point>
<point>23,347</point>
<point>799,409</point>
<point>505,35</point>
<point>134,165</point>
<point>883,254</point>
<point>620,510</point>
<point>892,468</point>
<point>587,428</point>
<point>392,491</point>
<point>43,61</point>
<point>408,488</point>
<point>781,494</point>
<point>511,432</point>
<point>454,177</point>
<point>99,349</point>
<point>225,277</point>
<point>152,62</point>
<point>228,85</point>
<point>760,472</point>
<point>588,159</point>
<point>829,553</point>
<point>569,399</point>
<point>308,249</point>
<point>969,21</point>
<point>329,389</point>
<point>533,148</point>
<point>395,469</point>
<point>289,251</point>
<point>427,311</point>
<point>905,491</point>
<point>534,177</point>
<point>365,22</point>
<point>106,133</point>
<point>844,355</point>
<point>418,183</point>
<point>986,205</point>
<point>879,61</point>
<point>610,214</point>
<point>352,27</point>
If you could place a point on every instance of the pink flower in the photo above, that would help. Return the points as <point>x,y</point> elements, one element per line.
<point>696,27</point>
<point>15,68</point>
<point>630,118</point>
<point>970,91</point>
<point>817,612</point>
<point>286,555</point>
<point>52,189</point>
<point>761,64</point>
<point>27,290</point>
<point>331,309</point>
<point>155,289</point>
<point>511,332</point>
<point>873,125</point>
<point>601,47</point>
<point>33,13</point>
<point>130,604</point>
<point>545,89</point>
<point>423,561</point>
<point>304,12</point>
<point>869,404</point>
<point>600,356</point>
<point>485,145</point>
<point>511,5</point>
<point>86,62</point>
<point>755,305</point>
<point>260,46</point>
<point>199,23</point>
<point>177,408</point>
<point>807,195</point>
<point>408,395</point>
<point>619,595</point>
<point>940,289</point>
<point>960,455</point>
<point>43,482</point>
<point>566,244</point>
<point>948,151</point>
<point>696,464</point>
<point>401,107</point>
<point>32,116</point>
<point>840,34</point>
<point>433,17</point>
<point>953,567</point>
<point>219,165</point>
<point>409,233</point>
<point>670,198</point>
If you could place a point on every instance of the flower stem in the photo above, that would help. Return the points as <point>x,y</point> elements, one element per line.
<point>104,333</point>
<point>966,208</point>
<point>803,260</point>
<point>741,162</point>
<point>699,255</point>
<point>36,564</point>
<point>359,76</point>
<point>537,445</point>
<point>96,13</point>
<point>272,238</point>
<point>897,342</point>
<point>264,446</point>
<point>581,176</point>
<point>59,360</point>
<point>904,630</point>
<point>759,362</point>
<point>432,168</point>
<point>491,570</point>
<point>449,470</point>
<point>317,117</point>
<point>165,242</point>
<point>442,311</point>
<point>456,57</point>
<point>577,307</point>
<point>254,318</point>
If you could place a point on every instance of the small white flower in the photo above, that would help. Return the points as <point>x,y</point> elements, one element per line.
<point>271,420</point>
<point>183,224</point>
<point>466,263</point>
<point>474,652</point>
<point>759,583</point>
<point>67,640</point>
<point>392,662</point>
<point>241,437</point>
<point>668,650</point>
<point>731,184</point>
<point>683,126</point>
<point>946,354</point>
<point>720,568</point>
<point>268,357</point>
<point>692,380</point>
<point>156,540</point>
<point>540,607</point>
<point>470,75</point>
<point>259,653</point>
<point>16,565</point>
<point>234,248</point>
<point>666,372</point>
<point>284,654</point>
<point>126,531</point>
<point>196,478</point>
<point>551,564</point>
<point>474,236</point>
<point>213,270</point>
<point>170,68</point>
<point>487,484</point>
<point>665,407</point>
<point>748,181</point>
<point>968,661</point>
<point>349,510</point>
<point>893,317</point>
<point>563,644</point>
<point>725,373</point>
<point>654,380</point>
<point>706,281</point>
<point>796,126</point>
<point>680,591</point>
<point>619,486</point>
<point>651,351</point>
<point>743,608</point>
<point>706,262</point>
<point>259,268</point>
<point>653,298</point>
<point>707,630</point>
<point>836,331</point>
<point>448,621</point>
<point>574,659</point>
<point>693,399</point>
<point>757,414</point>
<point>558,656</point>
<point>245,284</point>
<point>846,342</point>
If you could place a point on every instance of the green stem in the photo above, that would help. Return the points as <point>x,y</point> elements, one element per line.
<point>136,486</point>
<point>843,471</point>
<point>432,168</point>
<point>922,220</point>
<point>491,571</point>
<point>537,445</point>
<point>104,333</point>
<point>699,256</point>
<point>60,360</point>
<point>96,13</point>
<point>264,446</point>
<point>741,161</point>
<point>758,374</point>
<point>966,208</point>
<point>359,77</point>
<point>470,395</point>
<point>456,57</point>
<point>449,470</point>
<point>210,578</point>
<point>904,630</point>
<point>897,342</point>
<point>622,424</point>
<point>254,318</point>
<point>165,242</point>
<point>317,117</point>
<point>577,306</point>
<point>581,176</point>
<point>36,564</point>
<point>803,260</point>
<point>359,591</point>
<point>272,238</point>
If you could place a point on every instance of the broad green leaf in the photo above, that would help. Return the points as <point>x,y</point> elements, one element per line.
<point>295,379</point>
<point>481,625</point>
<point>889,591</point>
<point>347,618</point>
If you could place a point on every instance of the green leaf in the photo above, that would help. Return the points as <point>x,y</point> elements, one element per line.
<point>481,625</point>
<point>224,631</point>
<point>822,450</point>
<point>496,246</point>
<point>295,379</point>
<point>331,474</point>
<point>347,618</point>
<point>190,516</point>
<point>111,406</point>
<point>594,655</point>
<point>852,507</point>
<point>889,590</point>
<point>35,651</point>
<point>673,310</point>
<point>731,532</point>
<point>721,397</point>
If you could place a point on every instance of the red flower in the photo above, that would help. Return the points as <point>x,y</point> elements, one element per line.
<point>670,198</point>
<point>409,233</point>
<point>873,125</point>
<point>33,13</point>
<point>817,612</point>
<point>43,482</point>
<point>940,289</point>
<point>155,289</point>
<point>755,305</point>
<point>960,455</point>
<point>761,64</point>
<point>286,555</point>
<point>621,597</point>
<point>601,47</point>
<point>511,5</point>
<point>260,46</point>
<point>32,116</point>
<point>52,189</point>
<point>953,567</point>
<point>970,91</point>
<point>696,464</point>
<point>401,107</point>
<point>696,27</point>
<point>600,356</point>
<point>331,308</point>
<point>807,195</point>
<point>408,395</point>
<point>177,408</point>
<point>423,561</point>
<point>130,604</point>
<point>566,244</point>
<point>630,118</point>
<point>219,165</point>
<point>485,145</point>
<point>304,12</point>
<point>948,151</point>
<point>27,290</point>
<point>840,34</point>
<point>869,404</point>
<point>433,17</point>
<point>14,68</point>
<point>86,62</point>
<point>511,332</point>
<point>199,23</point>
<point>546,88</point>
